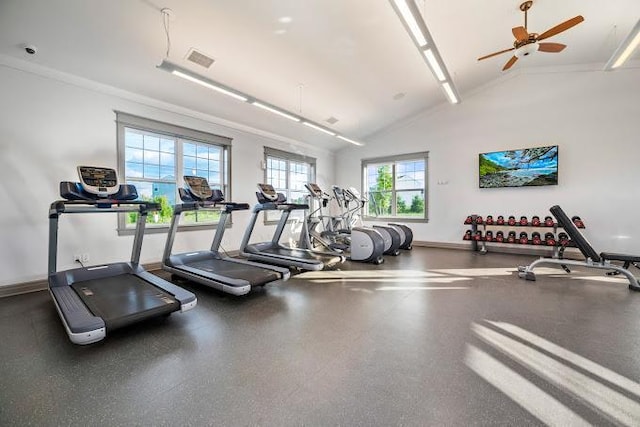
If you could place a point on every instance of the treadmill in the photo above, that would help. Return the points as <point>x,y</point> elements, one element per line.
<point>273,252</point>
<point>95,299</point>
<point>231,275</point>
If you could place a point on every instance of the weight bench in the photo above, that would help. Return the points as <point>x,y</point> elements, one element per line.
<point>592,258</point>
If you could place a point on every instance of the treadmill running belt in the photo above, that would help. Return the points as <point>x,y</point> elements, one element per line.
<point>124,299</point>
<point>256,276</point>
<point>290,252</point>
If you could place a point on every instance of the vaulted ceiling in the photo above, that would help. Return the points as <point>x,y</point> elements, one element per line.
<point>347,59</point>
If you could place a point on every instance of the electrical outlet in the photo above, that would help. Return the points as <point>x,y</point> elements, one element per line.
<point>81,257</point>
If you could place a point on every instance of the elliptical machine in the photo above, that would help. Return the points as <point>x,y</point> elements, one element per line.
<point>335,235</point>
<point>391,235</point>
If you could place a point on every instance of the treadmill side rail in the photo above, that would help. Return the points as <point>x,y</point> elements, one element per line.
<point>82,327</point>
<point>186,299</point>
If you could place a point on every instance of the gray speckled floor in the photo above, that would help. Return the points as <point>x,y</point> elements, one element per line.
<point>370,345</point>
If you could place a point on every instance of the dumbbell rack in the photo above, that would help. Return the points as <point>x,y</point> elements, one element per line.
<point>481,245</point>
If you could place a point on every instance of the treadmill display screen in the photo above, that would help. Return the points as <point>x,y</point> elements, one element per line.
<point>97,180</point>
<point>198,186</point>
<point>268,191</point>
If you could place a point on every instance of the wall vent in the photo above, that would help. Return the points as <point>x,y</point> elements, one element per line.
<point>332,120</point>
<point>199,58</point>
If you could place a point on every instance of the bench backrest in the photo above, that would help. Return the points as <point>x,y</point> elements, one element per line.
<point>578,238</point>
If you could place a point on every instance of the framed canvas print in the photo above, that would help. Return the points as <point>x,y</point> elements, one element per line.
<point>519,168</point>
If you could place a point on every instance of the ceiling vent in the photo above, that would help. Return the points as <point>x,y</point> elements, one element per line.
<point>332,120</point>
<point>199,58</point>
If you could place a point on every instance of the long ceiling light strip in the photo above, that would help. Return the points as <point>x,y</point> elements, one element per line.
<point>320,128</point>
<point>626,48</point>
<point>350,140</point>
<point>412,23</point>
<point>275,111</point>
<point>208,85</point>
<point>186,74</point>
<point>415,25</point>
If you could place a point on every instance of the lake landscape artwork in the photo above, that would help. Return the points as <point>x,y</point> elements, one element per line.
<point>519,168</point>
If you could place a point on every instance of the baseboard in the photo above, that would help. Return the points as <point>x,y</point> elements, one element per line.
<point>441,245</point>
<point>23,288</point>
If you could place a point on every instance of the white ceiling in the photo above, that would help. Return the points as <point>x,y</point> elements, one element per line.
<point>350,56</point>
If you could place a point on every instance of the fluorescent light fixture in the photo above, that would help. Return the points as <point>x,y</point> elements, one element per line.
<point>208,85</point>
<point>410,19</point>
<point>274,111</point>
<point>350,141</point>
<point>435,66</point>
<point>186,74</point>
<point>321,129</point>
<point>409,14</point>
<point>450,94</point>
<point>626,48</point>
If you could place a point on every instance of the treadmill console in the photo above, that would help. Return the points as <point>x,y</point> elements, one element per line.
<point>102,182</point>
<point>268,192</point>
<point>198,186</point>
<point>314,189</point>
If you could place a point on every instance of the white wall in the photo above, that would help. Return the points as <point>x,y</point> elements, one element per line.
<point>50,123</point>
<point>593,116</point>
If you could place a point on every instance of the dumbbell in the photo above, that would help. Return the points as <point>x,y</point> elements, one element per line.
<point>467,235</point>
<point>511,237</point>
<point>478,236</point>
<point>488,236</point>
<point>511,220</point>
<point>500,220</point>
<point>499,237</point>
<point>523,220</point>
<point>489,220</point>
<point>548,221</point>
<point>524,238</point>
<point>549,239</point>
<point>563,238</point>
<point>478,219</point>
<point>469,220</point>
<point>577,221</point>
<point>535,221</point>
<point>535,238</point>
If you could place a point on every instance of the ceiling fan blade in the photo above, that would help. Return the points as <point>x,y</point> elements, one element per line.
<point>510,63</point>
<point>520,33</point>
<point>561,27</point>
<point>495,53</point>
<point>551,47</point>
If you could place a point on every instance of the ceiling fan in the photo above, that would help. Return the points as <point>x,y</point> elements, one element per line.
<point>527,43</point>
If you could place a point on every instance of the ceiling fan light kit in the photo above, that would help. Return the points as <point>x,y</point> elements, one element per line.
<point>527,43</point>
<point>410,16</point>
<point>526,50</point>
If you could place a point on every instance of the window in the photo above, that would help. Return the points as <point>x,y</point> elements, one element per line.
<point>154,157</point>
<point>396,187</point>
<point>288,173</point>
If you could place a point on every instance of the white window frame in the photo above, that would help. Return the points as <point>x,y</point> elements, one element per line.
<point>393,160</point>
<point>180,135</point>
<point>272,217</point>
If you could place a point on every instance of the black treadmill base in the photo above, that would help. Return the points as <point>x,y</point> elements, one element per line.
<point>124,299</point>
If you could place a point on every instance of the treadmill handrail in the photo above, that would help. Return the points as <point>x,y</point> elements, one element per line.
<point>101,206</point>
<point>210,206</point>
<point>272,206</point>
